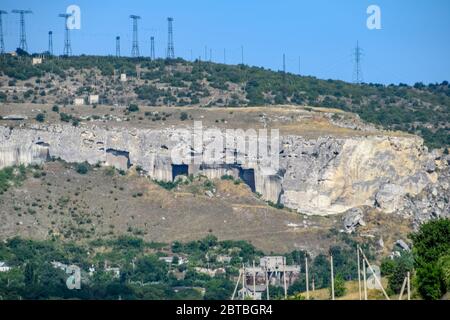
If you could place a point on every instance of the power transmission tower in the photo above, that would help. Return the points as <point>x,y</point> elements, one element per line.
<point>357,75</point>
<point>170,46</point>
<point>299,73</point>
<point>242,55</point>
<point>135,48</point>
<point>67,46</point>
<point>224,56</point>
<point>50,43</point>
<point>2,43</point>
<point>117,46</point>
<point>152,48</point>
<point>23,36</point>
<point>210,55</point>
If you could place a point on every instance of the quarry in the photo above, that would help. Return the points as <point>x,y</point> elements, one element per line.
<point>318,175</point>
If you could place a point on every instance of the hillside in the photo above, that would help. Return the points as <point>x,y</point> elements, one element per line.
<point>419,109</point>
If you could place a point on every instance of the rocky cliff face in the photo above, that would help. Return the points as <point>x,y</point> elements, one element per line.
<point>316,176</point>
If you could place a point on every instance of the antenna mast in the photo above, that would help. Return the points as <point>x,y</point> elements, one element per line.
<point>152,48</point>
<point>170,45</point>
<point>135,48</point>
<point>117,46</point>
<point>50,43</point>
<point>23,37</point>
<point>2,43</point>
<point>67,46</point>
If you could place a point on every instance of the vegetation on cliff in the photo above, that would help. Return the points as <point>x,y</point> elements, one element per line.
<point>420,109</point>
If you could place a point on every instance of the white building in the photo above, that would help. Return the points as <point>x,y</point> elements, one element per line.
<point>4,267</point>
<point>78,101</point>
<point>93,99</point>
<point>36,61</point>
<point>123,77</point>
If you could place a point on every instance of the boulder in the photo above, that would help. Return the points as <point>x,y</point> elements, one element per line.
<point>352,219</point>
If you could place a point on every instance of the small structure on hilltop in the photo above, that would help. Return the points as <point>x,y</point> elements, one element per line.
<point>93,99</point>
<point>78,101</point>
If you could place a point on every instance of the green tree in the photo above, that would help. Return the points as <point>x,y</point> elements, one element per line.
<point>40,117</point>
<point>339,286</point>
<point>430,244</point>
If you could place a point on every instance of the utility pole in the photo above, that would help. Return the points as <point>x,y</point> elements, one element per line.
<point>170,45</point>
<point>267,284</point>
<point>117,46</point>
<point>359,273</point>
<point>332,278</point>
<point>408,276</point>
<point>254,281</point>
<point>135,46</point>
<point>358,76</point>
<point>210,55</point>
<point>23,37</point>
<point>307,278</point>
<point>284,278</point>
<point>299,73</point>
<point>206,53</point>
<point>2,43</point>
<point>152,48</point>
<point>242,55</point>
<point>244,278</point>
<point>365,280</point>
<point>50,43</point>
<point>67,45</point>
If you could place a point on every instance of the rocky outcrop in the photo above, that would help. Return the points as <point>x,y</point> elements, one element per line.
<point>326,175</point>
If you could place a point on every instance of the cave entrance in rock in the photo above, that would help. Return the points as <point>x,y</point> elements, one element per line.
<point>179,170</point>
<point>248,176</point>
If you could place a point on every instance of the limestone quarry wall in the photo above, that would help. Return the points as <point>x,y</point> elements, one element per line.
<point>322,176</point>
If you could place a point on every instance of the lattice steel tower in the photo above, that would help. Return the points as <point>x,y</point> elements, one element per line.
<point>170,46</point>
<point>67,45</point>
<point>50,43</point>
<point>135,47</point>
<point>2,43</point>
<point>152,48</point>
<point>117,46</point>
<point>357,73</point>
<point>23,37</point>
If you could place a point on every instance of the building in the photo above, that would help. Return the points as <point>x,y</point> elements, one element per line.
<point>35,61</point>
<point>4,267</point>
<point>78,101</point>
<point>123,77</point>
<point>223,258</point>
<point>169,259</point>
<point>93,99</point>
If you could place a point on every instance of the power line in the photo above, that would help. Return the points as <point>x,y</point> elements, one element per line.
<point>135,46</point>
<point>67,44</point>
<point>23,37</point>
<point>50,43</point>
<point>2,43</point>
<point>170,45</point>
<point>357,76</point>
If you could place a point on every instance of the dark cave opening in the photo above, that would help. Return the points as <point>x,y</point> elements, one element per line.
<point>179,170</point>
<point>248,176</point>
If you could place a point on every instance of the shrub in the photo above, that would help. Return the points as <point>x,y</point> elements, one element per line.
<point>40,117</point>
<point>82,168</point>
<point>183,116</point>
<point>133,108</point>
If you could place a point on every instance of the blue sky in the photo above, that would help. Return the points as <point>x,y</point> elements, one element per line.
<point>413,44</point>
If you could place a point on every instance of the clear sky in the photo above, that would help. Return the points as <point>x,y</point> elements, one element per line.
<point>413,44</point>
